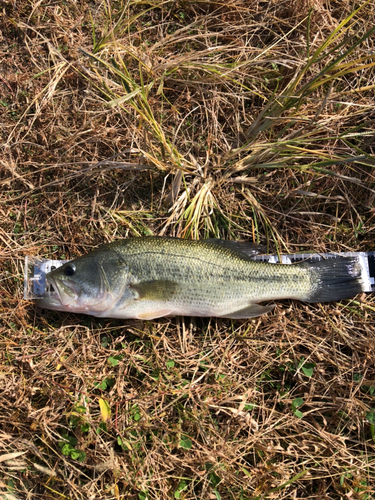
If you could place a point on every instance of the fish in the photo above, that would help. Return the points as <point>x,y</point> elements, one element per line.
<point>151,277</point>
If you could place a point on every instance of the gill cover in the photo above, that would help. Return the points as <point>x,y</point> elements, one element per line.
<point>89,284</point>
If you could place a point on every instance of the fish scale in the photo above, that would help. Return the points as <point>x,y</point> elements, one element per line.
<point>224,268</point>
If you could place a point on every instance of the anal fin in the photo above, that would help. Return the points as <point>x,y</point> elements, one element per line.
<point>249,312</point>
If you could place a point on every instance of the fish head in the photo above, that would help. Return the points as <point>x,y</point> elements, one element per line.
<point>90,284</point>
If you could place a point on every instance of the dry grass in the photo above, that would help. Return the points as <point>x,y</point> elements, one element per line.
<point>238,119</point>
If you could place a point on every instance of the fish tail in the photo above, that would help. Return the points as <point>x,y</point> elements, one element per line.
<point>334,279</point>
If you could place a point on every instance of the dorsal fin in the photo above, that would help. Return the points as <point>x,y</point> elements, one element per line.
<point>245,248</point>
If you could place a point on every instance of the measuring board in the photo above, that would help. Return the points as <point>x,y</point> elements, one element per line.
<point>36,285</point>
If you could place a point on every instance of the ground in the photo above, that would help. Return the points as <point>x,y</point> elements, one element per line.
<point>244,120</point>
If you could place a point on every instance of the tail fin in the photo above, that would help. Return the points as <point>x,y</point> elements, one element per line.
<point>335,279</point>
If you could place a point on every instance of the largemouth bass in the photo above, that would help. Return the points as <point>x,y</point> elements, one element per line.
<point>151,277</point>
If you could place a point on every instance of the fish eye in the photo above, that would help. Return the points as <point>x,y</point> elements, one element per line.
<point>70,270</point>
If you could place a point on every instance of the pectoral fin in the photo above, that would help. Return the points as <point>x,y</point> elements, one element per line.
<point>156,290</point>
<point>152,298</point>
<point>250,312</point>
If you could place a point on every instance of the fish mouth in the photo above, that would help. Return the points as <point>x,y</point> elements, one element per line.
<point>62,295</point>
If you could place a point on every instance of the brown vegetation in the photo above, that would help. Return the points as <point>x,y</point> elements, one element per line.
<point>241,119</point>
